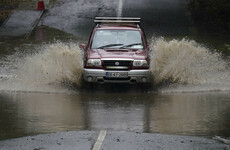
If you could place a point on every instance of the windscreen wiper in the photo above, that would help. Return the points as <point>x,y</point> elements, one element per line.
<point>109,45</point>
<point>130,45</point>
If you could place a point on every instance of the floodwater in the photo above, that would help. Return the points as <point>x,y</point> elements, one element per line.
<point>41,90</point>
<point>199,114</point>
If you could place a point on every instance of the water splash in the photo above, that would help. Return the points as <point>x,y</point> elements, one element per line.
<point>46,70</point>
<point>184,64</point>
<point>188,66</point>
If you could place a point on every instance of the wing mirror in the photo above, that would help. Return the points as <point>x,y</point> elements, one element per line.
<point>83,46</point>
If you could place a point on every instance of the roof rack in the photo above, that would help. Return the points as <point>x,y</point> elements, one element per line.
<point>117,20</point>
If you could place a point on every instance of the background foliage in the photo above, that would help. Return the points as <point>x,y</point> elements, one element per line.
<point>211,15</point>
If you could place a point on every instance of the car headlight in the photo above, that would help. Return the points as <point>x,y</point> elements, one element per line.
<point>94,62</point>
<point>140,63</point>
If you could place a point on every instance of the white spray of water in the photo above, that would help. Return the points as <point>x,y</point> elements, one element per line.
<point>45,71</point>
<point>184,63</point>
<point>191,66</point>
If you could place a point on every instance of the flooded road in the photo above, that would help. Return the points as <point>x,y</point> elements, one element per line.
<point>199,114</point>
<point>41,89</point>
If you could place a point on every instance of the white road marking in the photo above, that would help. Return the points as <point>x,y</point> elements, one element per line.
<point>120,7</point>
<point>100,139</point>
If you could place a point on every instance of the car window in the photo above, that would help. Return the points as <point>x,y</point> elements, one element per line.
<point>117,39</point>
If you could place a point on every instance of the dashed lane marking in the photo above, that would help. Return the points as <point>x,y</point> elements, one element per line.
<point>100,139</point>
<point>120,7</point>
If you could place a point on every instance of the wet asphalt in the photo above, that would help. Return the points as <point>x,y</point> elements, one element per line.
<point>113,140</point>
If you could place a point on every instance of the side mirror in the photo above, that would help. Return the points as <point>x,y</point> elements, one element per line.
<point>83,46</point>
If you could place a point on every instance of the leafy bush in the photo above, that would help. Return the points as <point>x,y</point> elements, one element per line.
<point>211,14</point>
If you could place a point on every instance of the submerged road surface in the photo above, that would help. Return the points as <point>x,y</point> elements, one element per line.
<point>116,120</point>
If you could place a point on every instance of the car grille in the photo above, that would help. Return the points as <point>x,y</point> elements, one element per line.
<point>117,64</point>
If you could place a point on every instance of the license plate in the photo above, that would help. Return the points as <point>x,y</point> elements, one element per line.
<point>116,74</point>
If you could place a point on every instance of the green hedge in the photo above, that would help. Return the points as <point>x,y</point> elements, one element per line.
<point>211,15</point>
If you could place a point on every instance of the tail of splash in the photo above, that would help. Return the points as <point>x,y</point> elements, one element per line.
<point>45,70</point>
<point>185,61</point>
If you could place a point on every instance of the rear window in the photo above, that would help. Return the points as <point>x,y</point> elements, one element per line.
<point>117,39</point>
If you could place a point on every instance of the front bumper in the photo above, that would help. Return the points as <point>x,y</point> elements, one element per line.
<point>99,76</point>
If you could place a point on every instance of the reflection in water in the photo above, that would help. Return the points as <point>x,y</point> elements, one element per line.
<point>116,112</point>
<point>24,113</point>
<point>191,114</point>
<point>203,114</point>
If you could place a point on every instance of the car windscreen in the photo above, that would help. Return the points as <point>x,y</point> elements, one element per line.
<point>117,39</point>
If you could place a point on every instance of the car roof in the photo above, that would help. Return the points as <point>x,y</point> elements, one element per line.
<point>115,26</point>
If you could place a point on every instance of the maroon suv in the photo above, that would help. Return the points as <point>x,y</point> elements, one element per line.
<point>117,52</point>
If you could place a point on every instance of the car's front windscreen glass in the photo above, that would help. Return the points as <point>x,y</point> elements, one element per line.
<point>117,39</point>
